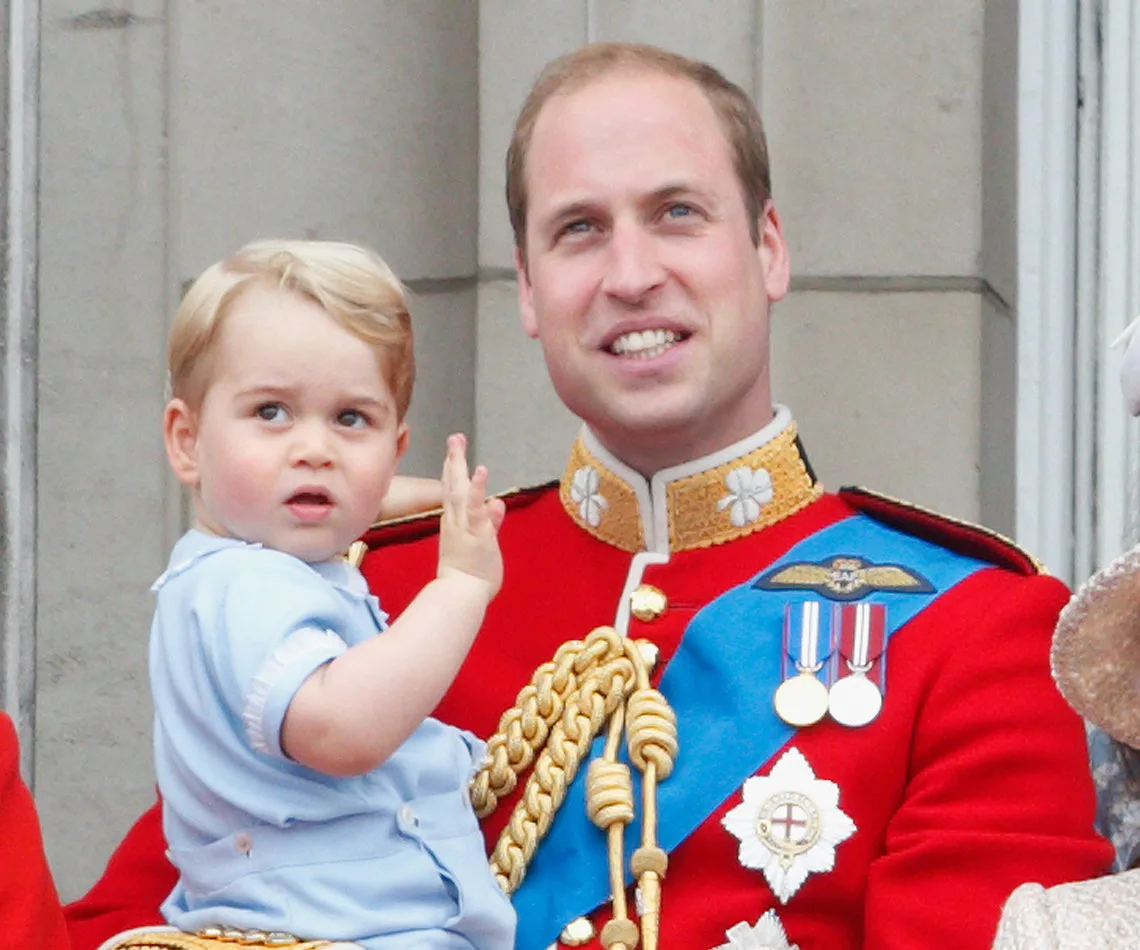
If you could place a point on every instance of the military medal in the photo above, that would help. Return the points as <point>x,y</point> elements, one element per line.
<point>802,699</point>
<point>854,700</point>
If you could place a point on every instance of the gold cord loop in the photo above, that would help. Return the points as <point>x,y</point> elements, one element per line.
<point>556,718</point>
<point>609,793</point>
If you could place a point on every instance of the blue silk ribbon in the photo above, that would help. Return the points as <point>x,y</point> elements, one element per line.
<point>725,734</point>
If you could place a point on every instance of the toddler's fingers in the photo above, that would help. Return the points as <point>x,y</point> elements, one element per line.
<point>476,497</point>
<point>454,477</point>
<point>496,511</point>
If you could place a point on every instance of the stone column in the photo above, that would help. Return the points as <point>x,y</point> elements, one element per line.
<point>19,318</point>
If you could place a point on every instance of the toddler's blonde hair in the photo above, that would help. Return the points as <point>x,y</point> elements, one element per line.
<point>350,283</point>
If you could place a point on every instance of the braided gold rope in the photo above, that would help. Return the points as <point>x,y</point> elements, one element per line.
<point>525,727</point>
<point>599,693</point>
<point>560,712</point>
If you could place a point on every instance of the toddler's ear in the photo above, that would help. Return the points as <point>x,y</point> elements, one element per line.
<point>180,435</point>
<point>402,439</point>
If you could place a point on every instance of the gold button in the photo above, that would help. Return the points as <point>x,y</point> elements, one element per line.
<point>579,932</point>
<point>647,603</point>
<point>649,652</point>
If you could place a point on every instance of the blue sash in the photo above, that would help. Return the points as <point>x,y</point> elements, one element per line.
<point>725,734</point>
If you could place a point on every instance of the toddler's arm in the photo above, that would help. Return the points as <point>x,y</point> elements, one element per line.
<point>354,711</point>
<point>409,495</point>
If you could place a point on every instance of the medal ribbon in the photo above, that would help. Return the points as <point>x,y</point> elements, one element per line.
<point>862,640</point>
<point>862,633</point>
<point>725,734</point>
<point>808,640</point>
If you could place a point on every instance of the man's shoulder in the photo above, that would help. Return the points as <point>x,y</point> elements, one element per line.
<point>953,534</point>
<point>425,525</point>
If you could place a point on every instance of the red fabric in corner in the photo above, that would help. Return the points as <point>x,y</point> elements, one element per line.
<point>136,881</point>
<point>30,914</point>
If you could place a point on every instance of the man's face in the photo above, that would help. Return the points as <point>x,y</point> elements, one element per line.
<point>297,438</point>
<point>641,281</point>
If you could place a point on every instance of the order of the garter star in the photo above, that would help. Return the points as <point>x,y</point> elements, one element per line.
<point>767,934</point>
<point>789,824</point>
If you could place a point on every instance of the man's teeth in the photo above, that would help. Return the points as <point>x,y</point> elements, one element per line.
<point>644,344</point>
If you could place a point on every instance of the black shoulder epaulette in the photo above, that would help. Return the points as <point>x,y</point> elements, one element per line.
<point>426,523</point>
<point>962,537</point>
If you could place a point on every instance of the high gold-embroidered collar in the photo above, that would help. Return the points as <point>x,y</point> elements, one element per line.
<point>718,498</point>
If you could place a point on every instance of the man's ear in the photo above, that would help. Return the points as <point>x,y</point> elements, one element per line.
<point>773,251</point>
<point>180,436</point>
<point>526,298</point>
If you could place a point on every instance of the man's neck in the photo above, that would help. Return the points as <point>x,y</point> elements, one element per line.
<point>663,450</point>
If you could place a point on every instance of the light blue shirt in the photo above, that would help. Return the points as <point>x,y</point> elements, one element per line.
<point>392,858</point>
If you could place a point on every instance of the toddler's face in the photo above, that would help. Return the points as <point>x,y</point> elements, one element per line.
<point>296,439</point>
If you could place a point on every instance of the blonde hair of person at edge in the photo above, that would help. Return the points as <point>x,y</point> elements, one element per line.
<point>286,709</point>
<point>1096,663</point>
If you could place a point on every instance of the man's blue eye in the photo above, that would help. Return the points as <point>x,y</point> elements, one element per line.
<point>679,211</point>
<point>271,412</point>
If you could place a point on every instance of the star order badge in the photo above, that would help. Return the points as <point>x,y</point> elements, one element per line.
<point>789,824</point>
<point>767,934</point>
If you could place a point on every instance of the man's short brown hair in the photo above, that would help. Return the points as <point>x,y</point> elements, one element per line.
<point>738,117</point>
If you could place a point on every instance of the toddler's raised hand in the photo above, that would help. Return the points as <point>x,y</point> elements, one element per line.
<point>468,534</point>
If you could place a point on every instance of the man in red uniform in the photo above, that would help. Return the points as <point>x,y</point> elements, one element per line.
<point>30,914</point>
<point>869,751</point>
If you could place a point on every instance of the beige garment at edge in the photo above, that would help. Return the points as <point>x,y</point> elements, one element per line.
<point>1103,914</point>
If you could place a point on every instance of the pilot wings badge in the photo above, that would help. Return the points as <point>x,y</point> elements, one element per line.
<point>844,578</point>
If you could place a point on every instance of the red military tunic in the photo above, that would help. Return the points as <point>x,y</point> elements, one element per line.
<point>971,780</point>
<point>30,913</point>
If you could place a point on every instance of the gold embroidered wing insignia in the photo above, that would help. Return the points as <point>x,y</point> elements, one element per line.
<point>844,578</point>
<point>808,576</point>
<point>891,577</point>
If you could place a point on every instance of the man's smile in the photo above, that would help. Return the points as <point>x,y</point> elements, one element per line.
<point>645,344</point>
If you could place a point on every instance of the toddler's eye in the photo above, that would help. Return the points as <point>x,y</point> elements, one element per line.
<point>352,419</point>
<point>271,412</point>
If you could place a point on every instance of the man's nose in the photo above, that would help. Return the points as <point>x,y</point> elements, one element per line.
<point>634,266</point>
<point>311,445</point>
